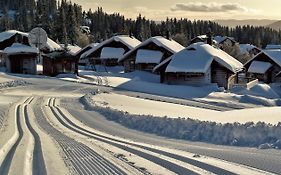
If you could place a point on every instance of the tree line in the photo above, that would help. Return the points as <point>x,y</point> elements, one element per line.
<point>62,21</point>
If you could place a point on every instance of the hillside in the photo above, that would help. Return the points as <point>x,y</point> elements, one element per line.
<point>253,22</point>
<point>275,25</point>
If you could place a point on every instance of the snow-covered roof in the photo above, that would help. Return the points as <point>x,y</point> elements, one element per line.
<point>130,42</point>
<point>272,46</point>
<point>111,53</point>
<point>17,48</point>
<point>198,57</point>
<point>72,49</point>
<point>160,41</point>
<point>246,48</point>
<point>10,33</point>
<point>220,39</point>
<point>274,55</point>
<point>149,56</point>
<point>51,45</point>
<point>259,67</point>
<point>87,48</point>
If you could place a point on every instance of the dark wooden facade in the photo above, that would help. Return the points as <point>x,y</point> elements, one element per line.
<point>271,75</point>
<point>59,62</point>
<point>22,63</point>
<point>95,56</point>
<point>130,61</point>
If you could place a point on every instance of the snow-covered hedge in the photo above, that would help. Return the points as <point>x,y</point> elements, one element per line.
<point>14,83</point>
<point>251,134</point>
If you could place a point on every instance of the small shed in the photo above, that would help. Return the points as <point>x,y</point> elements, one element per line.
<point>149,54</point>
<point>200,64</point>
<point>21,59</point>
<point>109,51</point>
<point>266,66</point>
<point>59,62</point>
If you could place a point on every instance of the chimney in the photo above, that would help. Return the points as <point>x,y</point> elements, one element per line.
<point>210,37</point>
<point>130,33</point>
<point>167,34</point>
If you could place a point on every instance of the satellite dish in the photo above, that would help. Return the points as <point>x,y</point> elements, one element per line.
<point>38,37</point>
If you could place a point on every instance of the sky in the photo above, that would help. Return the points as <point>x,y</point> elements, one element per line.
<point>192,9</point>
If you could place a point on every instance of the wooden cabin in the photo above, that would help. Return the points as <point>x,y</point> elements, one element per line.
<point>249,49</point>
<point>108,52</point>
<point>200,64</point>
<point>8,38</point>
<point>60,62</point>
<point>21,59</point>
<point>220,41</point>
<point>266,66</point>
<point>149,54</point>
<point>84,61</point>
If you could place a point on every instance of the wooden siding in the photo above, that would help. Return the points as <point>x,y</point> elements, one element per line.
<point>52,67</point>
<point>220,75</point>
<point>22,63</point>
<point>198,79</point>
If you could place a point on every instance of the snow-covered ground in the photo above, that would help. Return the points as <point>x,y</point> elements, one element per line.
<point>259,95</point>
<point>155,108</point>
<point>37,123</point>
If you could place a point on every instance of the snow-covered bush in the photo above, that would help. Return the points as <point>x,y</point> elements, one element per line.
<point>14,83</point>
<point>251,134</point>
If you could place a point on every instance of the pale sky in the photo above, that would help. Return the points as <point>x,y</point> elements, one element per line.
<point>192,9</point>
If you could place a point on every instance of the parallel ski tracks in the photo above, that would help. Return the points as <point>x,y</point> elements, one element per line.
<point>84,160</point>
<point>37,165</point>
<point>127,146</point>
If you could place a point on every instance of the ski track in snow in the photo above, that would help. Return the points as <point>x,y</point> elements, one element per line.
<point>23,147</point>
<point>83,159</point>
<point>144,151</point>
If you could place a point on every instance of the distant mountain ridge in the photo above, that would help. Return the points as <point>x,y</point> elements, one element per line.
<point>254,22</point>
<point>275,25</point>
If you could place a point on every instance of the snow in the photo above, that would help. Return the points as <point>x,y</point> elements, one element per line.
<point>111,52</point>
<point>246,48</point>
<point>220,39</point>
<point>275,55</point>
<point>149,107</point>
<point>190,61</point>
<point>198,58</point>
<point>259,67</point>
<point>52,45</point>
<point>160,41</point>
<point>17,48</point>
<point>72,49</point>
<point>130,42</point>
<point>272,47</point>
<point>149,56</point>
